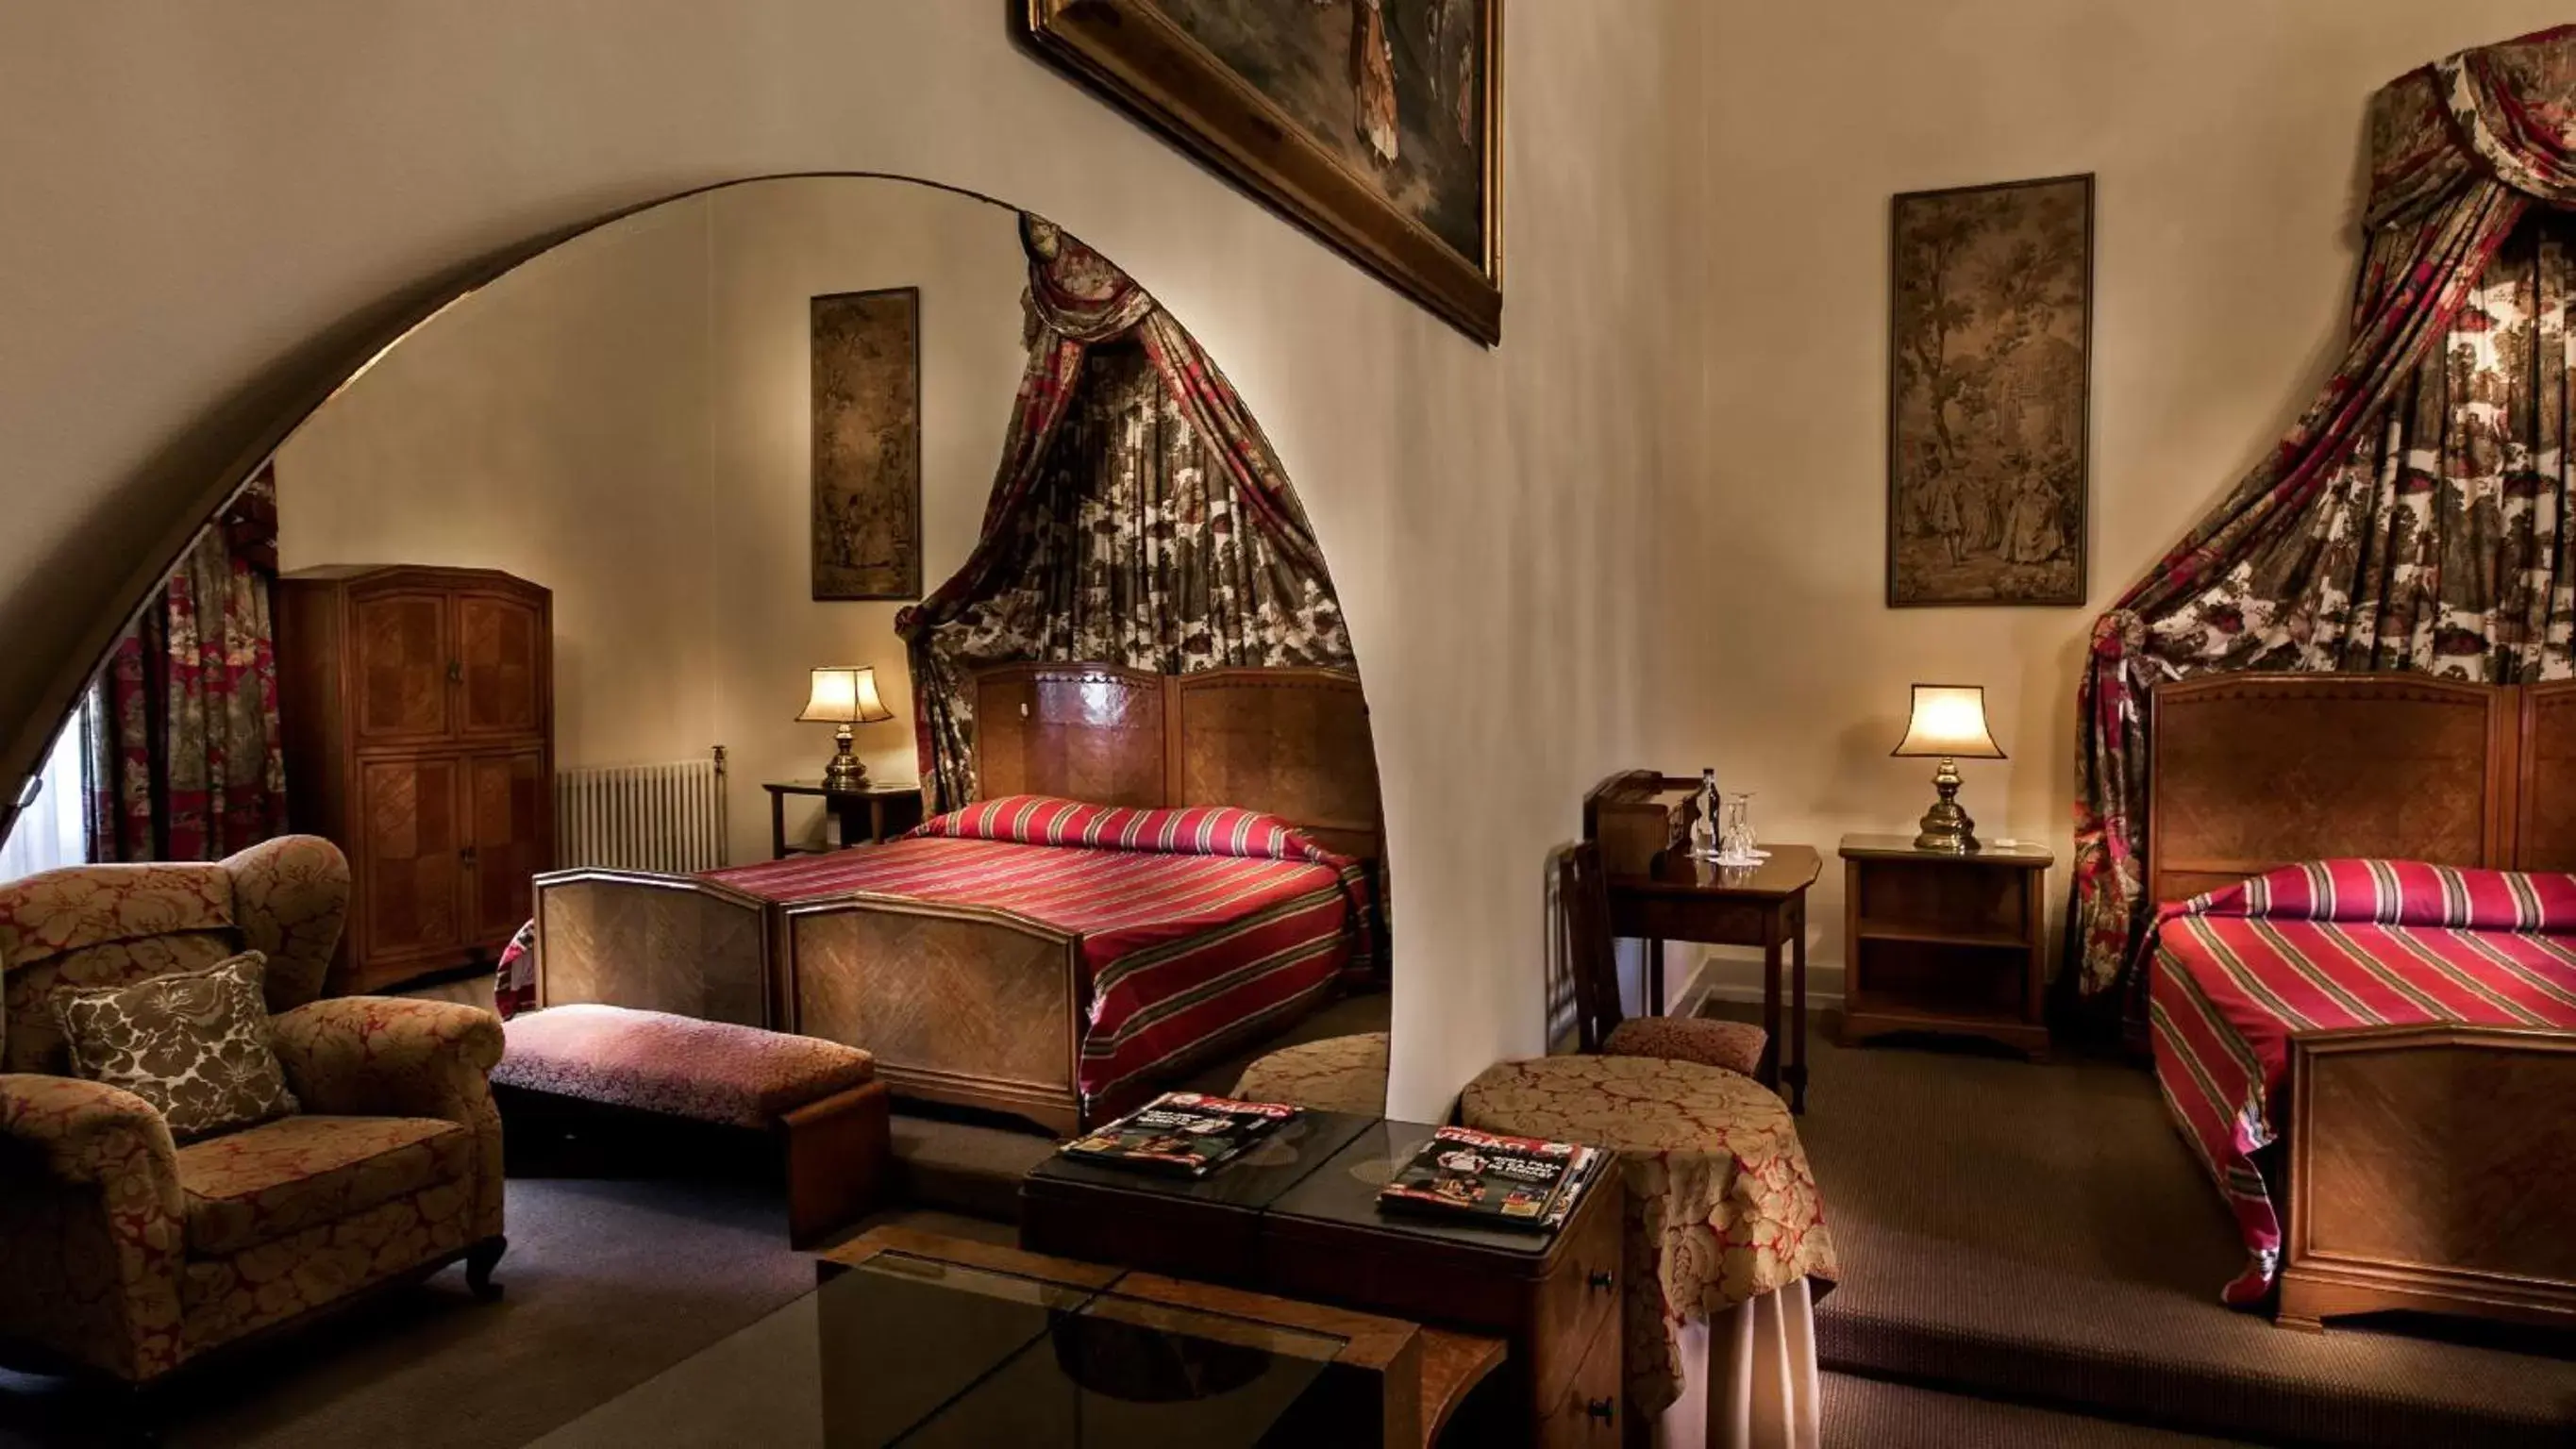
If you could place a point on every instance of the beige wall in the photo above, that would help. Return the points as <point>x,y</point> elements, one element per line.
<point>198,192</point>
<point>626,420</point>
<point>2226,139</point>
<point>1559,557</point>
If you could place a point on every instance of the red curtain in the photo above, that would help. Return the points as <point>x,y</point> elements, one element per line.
<point>2384,531</point>
<point>183,758</point>
<point>1139,517</point>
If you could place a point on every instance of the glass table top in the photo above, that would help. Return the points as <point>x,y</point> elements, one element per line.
<point>912,1350</point>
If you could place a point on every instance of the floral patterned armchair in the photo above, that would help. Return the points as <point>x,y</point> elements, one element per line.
<point>124,1253</point>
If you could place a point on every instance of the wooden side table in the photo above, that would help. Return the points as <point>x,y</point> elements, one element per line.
<point>1944,943</point>
<point>871,815</point>
<point>1760,905</point>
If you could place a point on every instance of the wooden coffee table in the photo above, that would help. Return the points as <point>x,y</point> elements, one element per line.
<point>1300,1218</point>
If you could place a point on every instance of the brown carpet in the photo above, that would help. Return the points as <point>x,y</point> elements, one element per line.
<point>2040,1233</point>
<point>1873,1414</point>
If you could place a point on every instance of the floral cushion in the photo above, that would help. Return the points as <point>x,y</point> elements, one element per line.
<point>285,1176</point>
<point>710,1071</point>
<point>1337,1074</point>
<point>1735,1046</point>
<point>193,1044</point>
<point>1721,1206</point>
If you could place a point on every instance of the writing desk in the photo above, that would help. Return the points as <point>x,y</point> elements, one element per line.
<point>1682,899</point>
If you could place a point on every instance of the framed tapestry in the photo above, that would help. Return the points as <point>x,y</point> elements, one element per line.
<point>867,444</point>
<point>1990,355</point>
<point>1374,123</point>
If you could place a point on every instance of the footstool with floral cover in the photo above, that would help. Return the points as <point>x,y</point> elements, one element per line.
<point>1724,1233</point>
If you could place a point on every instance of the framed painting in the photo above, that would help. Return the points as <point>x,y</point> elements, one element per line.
<point>867,444</point>
<point>1990,359</point>
<point>1374,123</point>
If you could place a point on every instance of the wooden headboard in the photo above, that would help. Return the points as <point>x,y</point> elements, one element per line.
<point>1291,742</point>
<point>2250,772</point>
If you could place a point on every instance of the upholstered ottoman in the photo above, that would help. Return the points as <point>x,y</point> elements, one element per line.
<point>819,1101</point>
<point>1336,1074</point>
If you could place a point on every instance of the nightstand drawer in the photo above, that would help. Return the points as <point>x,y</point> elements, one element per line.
<point>1580,1299</point>
<point>1587,1413</point>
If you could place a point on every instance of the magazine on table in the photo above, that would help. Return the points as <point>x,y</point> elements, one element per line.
<point>1495,1181</point>
<point>1184,1134</point>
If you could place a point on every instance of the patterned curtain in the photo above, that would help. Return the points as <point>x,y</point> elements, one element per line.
<point>2412,520</point>
<point>1139,518</point>
<point>181,733</point>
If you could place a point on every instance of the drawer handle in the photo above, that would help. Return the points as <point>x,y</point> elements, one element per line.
<point>1602,1280</point>
<point>1601,1409</point>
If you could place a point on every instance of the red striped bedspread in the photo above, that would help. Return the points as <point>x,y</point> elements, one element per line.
<point>1197,926</point>
<point>2338,943</point>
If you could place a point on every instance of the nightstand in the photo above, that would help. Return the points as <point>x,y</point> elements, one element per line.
<point>1944,943</point>
<point>868,815</point>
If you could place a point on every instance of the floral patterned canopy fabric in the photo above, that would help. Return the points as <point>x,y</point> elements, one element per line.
<point>1139,518</point>
<point>2415,518</point>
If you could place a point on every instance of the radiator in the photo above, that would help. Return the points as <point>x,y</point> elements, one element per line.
<point>643,817</point>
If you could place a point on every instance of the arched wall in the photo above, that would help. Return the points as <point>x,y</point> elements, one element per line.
<point>208,202</point>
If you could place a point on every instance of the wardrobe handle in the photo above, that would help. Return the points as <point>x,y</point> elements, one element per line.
<point>1601,1280</point>
<point>456,671</point>
<point>1601,1409</point>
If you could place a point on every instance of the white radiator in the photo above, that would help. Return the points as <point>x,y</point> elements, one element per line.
<point>643,817</point>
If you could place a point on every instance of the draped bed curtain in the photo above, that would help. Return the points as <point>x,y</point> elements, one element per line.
<point>2416,516</point>
<point>1139,518</point>
<point>180,728</point>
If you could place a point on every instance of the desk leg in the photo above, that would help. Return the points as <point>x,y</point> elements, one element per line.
<point>1654,980</point>
<point>1797,1072</point>
<point>1775,1047</point>
<point>876,821</point>
<point>777,826</point>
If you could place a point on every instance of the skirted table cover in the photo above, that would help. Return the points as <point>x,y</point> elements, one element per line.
<point>1722,1209</point>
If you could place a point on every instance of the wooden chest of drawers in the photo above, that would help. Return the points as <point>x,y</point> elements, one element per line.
<point>1312,1231</point>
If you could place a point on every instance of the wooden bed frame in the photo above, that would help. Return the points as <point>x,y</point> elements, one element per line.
<point>2249,772</point>
<point>960,1004</point>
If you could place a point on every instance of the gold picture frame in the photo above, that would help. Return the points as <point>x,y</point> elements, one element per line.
<point>1386,181</point>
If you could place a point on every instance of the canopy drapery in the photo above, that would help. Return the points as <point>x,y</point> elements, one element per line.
<point>181,739</point>
<point>1139,518</point>
<point>2414,519</point>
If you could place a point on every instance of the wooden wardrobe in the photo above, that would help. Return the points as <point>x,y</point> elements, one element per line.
<point>418,708</point>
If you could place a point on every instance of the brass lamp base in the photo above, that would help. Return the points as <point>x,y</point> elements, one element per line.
<point>846,771</point>
<point>1946,827</point>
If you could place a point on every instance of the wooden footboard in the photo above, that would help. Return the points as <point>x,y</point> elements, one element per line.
<point>2432,1168</point>
<point>958,1004</point>
<point>655,943</point>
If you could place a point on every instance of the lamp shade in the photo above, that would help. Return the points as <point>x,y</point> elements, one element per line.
<point>845,695</point>
<point>1949,721</point>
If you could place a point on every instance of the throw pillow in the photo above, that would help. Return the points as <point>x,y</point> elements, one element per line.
<point>193,1044</point>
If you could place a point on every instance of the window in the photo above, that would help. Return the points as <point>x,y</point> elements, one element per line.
<point>51,832</point>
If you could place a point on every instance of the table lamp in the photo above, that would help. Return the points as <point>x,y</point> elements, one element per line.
<point>1949,723</point>
<point>845,696</point>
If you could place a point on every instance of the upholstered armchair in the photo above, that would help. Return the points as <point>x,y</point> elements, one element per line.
<point>125,1253</point>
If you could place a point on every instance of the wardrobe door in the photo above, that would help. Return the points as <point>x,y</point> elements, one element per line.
<point>411,849</point>
<point>402,662</point>
<point>510,839</point>
<point>501,645</point>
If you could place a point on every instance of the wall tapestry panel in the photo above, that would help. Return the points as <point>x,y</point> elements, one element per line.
<point>1989,355</point>
<point>867,445</point>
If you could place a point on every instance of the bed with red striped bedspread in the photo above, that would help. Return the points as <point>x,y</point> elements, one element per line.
<point>2338,943</point>
<point>1196,926</point>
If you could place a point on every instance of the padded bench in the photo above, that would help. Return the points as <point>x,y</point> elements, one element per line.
<point>819,1100</point>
